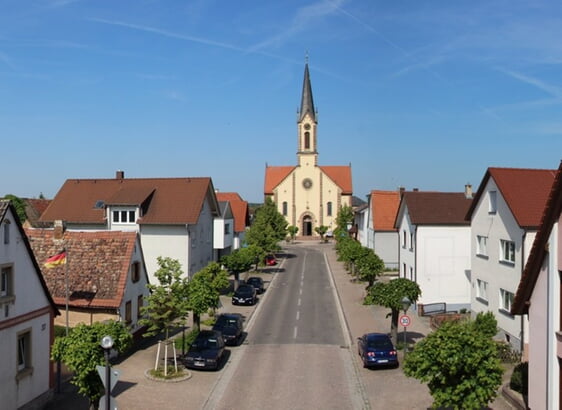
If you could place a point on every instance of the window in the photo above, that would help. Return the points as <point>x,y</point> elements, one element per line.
<point>140,302</point>
<point>135,271</point>
<point>404,241</point>
<point>481,245</point>
<point>482,290</point>
<point>128,312</point>
<point>6,232</point>
<point>507,251</point>
<point>6,281</point>
<point>226,229</point>
<point>329,209</point>
<point>411,241</point>
<point>24,351</point>
<point>124,216</point>
<point>492,205</point>
<point>307,140</point>
<point>284,208</point>
<point>506,299</point>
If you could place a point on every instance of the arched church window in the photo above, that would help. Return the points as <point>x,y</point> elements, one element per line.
<point>329,208</point>
<point>307,140</point>
<point>284,208</point>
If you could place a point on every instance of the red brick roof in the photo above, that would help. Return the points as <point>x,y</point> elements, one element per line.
<point>436,208</point>
<point>239,208</point>
<point>524,190</point>
<point>384,207</point>
<point>550,215</point>
<point>341,175</point>
<point>97,265</point>
<point>163,200</point>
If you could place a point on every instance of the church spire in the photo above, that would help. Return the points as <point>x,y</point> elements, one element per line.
<point>307,102</point>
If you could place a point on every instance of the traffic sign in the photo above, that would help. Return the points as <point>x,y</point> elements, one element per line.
<point>405,320</point>
<point>114,376</point>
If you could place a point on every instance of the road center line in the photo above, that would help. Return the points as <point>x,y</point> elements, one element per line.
<point>299,302</point>
<point>298,314</point>
<point>295,332</point>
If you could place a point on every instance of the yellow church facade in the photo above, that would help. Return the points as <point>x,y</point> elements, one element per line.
<point>309,195</point>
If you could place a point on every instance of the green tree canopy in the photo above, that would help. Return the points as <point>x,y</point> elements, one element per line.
<point>390,294</point>
<point>293,230</point>
<point>241,260</point>
<point>81,352</point>
<point>321,230</point>
<point>268,229</point>
<point>459,364</point>
<point>204,290</point>
<point>369,267</point>
<point>19,204</point>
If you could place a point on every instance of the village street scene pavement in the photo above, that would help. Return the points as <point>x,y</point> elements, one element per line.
<point>379,389</point>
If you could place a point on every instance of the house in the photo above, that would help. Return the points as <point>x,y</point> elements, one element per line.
<point>241,214</point>
<point>223,236</point>
<point>539,297</point>
<point>34,208</point>
<point>504,218</point>
<point>104,277</point>
<point>308,195</point>
<point>27,313</point>
<point>434,246</point>
<point>379,232</point>
<point>173,216</point>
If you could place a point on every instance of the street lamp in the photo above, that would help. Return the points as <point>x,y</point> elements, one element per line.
<point>406,303</point>
<point>107,343</point>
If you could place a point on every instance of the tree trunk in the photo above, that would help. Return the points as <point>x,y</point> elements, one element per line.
<point>394,326</point>
<point>196,321</point>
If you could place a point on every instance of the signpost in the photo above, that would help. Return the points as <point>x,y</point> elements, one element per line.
<point>405,321</point>
<point>114,376</point>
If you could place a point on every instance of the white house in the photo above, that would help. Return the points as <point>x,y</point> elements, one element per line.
<point>435,246</point>
<point>173,216</point>
<point>504,218</point>
<point>240,213</point>
<point>27,313</point>
<point>539,297</point>
<point>224,231</point>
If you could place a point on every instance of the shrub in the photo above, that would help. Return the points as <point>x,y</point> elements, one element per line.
<point>519,378</point>
<point>506,354</point>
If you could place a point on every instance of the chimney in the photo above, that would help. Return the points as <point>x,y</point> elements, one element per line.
<point>119,174</point>
<point>468,191</point>
<point>415,189</point>
<point>58,231</point>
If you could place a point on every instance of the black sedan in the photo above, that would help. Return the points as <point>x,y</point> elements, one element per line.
<point>231,326</point>
<point>257,283</point>
<point>206,351</point>
<point>244,295</point>
<point>376,349</point>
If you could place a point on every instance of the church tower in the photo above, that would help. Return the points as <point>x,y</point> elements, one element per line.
<point>307,153</point>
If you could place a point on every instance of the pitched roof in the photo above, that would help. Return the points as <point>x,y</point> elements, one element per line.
<point>239,208</point>
<point>163,200</point>
<point>524,190</point>
<point>341,175</point>
<point>274,176</point>
<point>436,208</point>
<point>4,206</point>
<point>34,208</point>
<point>550,215</point>
<point>97,266</point>
<point>384,208</point>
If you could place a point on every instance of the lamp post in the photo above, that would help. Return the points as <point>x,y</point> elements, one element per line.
<point>406,302</point>
<point>107,343</point>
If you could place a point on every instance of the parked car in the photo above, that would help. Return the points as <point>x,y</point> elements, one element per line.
<point>270,260</point>
<point>376,349</point>
<point>231,326</point>
<point>257,283</point>
<point>206,351</point>
<point>244,295</point>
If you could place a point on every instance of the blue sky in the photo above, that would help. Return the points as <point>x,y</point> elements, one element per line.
<point>417,94</point>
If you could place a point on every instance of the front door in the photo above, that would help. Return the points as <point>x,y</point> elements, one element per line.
<point>307,226</point>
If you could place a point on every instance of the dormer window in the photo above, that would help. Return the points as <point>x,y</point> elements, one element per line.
<point>124,216</point>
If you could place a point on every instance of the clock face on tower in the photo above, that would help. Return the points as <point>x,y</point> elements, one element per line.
<point>306,126</point>
<point>307,183</point>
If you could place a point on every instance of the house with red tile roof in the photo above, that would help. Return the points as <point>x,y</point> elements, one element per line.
<point>240,213</point>
<point>224,231</point>
<point>434,246</point>
<point>26,320</point>
<point>308,195</point>
<point>504,219</point>
<point>538,296</point>
<point>173,216</point>
<point>377,230</point>
<point>104,277</point>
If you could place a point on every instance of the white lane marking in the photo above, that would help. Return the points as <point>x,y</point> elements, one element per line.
<point>299,302</point>
<point>295,332</point>
<point>298,314</point>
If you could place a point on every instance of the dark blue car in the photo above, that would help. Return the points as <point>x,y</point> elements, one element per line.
<point>376,349</point>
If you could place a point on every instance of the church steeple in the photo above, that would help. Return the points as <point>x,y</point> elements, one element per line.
<point>307,102</point>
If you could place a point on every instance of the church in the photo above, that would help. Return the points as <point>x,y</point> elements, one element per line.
<point>308,195</point>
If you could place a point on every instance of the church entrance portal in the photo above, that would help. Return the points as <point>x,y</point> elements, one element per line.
<point>307,226</point>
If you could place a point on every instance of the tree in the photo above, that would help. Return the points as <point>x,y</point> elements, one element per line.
<point>321,230</point>
<point>268,229</point>
<point>240,260</point>
<point>19,205</point>
<point>168,304</point>
<point>343,220</point>
<point>293,230</point>
<point>369,267</point>
<point>81,352</point>
<point>460,365</point>
<point>350,251</point>
<point>390,295</point>
<point>204,290</point>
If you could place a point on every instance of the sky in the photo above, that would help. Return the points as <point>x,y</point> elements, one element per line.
<point>414,94</point>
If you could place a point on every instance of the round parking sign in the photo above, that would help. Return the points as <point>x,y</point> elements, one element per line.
<point>405,320</point>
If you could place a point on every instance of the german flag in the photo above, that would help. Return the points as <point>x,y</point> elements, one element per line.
<point>56,260</point>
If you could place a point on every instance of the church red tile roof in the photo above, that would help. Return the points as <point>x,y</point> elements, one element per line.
<point>239,208</point>
<point>524,190</point>
<point>274,176</point>
<point>384,207</point>
<point>163,200</point>
<point>97,265</point>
